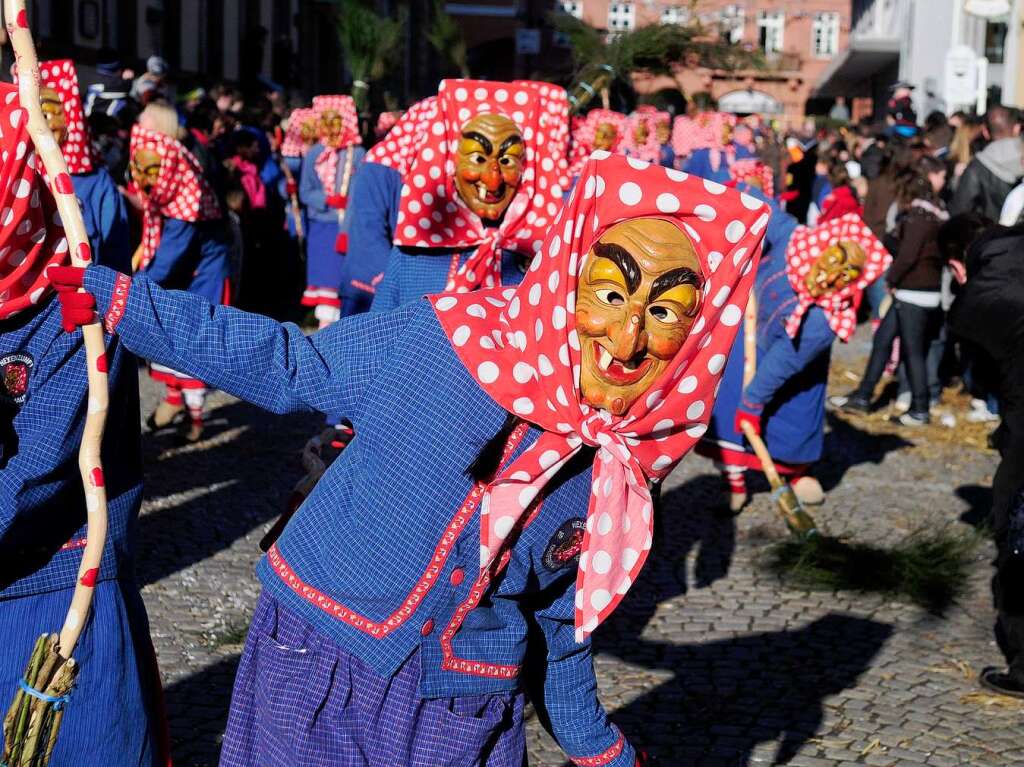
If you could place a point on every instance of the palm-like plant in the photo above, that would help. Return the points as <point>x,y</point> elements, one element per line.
<point>371,44</point>
<point>600,59</point>
<point>445,37</point>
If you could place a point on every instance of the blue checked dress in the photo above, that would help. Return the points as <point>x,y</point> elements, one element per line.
<point>110,717</point>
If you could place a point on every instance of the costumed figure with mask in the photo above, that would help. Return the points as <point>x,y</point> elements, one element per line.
<point>479,194</point>
<point>715,162</point>
<point>754,173</point>
<point>299,136</point>
<point>374,202</point>
<point>185,244</point>
<point>392,626</point>
<point>708,130</point>
<point>43,510</point>
<point>103,207</point>
<point>601,129</point>
<point>809,285</point>
<point>324,187</point>
<point>650,136</point>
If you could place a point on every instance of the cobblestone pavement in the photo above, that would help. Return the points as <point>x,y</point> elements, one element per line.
<point>710,661</point>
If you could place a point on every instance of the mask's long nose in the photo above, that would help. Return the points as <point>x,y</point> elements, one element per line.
<point>630,339</point>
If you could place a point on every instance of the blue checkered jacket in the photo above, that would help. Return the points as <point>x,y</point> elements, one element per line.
<point>412,273</point>
<point>43,393</point>
<point>383,557</point>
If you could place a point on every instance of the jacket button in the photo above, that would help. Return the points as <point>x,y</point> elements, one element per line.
<point>457,576</point>
<point>428,626</point>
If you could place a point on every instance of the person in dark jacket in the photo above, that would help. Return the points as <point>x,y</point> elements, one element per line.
<point>915,279</point>
<point>988,315</point>
<point>994,171</point>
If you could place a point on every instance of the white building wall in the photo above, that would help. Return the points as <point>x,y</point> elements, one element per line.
<point>927,26</point>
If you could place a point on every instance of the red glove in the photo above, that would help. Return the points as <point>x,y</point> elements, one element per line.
<point>744,416</point>
<point>337,201</point>
<point>291,187</point>
<point>77,309</point>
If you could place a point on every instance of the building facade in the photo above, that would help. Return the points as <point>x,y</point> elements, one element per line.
<point>798,38</point>
<point>290,42</point>
<point>908,40</point>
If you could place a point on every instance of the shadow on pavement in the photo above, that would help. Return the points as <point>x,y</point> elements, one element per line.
<point>728,696</point>
<point>847,446</point>
<point>979,497</point>
<point>197,710</point>
<point>229,485</point>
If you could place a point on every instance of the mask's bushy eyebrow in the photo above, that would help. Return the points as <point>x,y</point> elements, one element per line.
<point>481,139</point>
<point>622,259</point>
<point>669,280</point>
<point>509,142</point>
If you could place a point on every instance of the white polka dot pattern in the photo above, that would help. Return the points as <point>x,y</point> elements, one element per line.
<point>31,237</point>
<point>647,115</point>
<point>60,75</point>
<point>328,161</point>
<point>583,135</point>
<point>840,306</point>
<point>438,215</point>
<point>180,192</point>
<point>530,363</point>
<point>705,131</point>
<point>293,145</point>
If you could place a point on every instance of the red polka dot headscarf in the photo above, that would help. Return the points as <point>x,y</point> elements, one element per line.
<point>398,148</point>
<point>702,132</point>
<point>346,109</point>
<point>583,135</point>
<point>521,346</point>
<point>554,128</point>
<point>31,235</point>
<point>840,306</point>
<point>327,162</point>
<point>293,145</point>
<point>747,170</point>
<point>651,149</point>
<point>181,192</point>
<point>431,213</point>
<point>77,149</point>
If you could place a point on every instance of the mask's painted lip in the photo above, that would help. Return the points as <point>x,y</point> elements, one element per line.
<point>615,373</point>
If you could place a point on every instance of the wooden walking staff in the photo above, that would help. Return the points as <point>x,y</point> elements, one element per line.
<point>31,725</point>
<point>799,522</point>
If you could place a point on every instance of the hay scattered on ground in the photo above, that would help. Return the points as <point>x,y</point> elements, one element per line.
<point>954,401</point>
<point>928,569</point>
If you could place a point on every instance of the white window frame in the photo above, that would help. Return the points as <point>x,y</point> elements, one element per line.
<point>573,7</point>
<point>621,17</point>
<point>825,34</point>
<point>773,26</point>
<point>732,21</point>
<point>675,14</point>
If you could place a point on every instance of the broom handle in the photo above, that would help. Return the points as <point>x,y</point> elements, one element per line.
<point>89,459</point>
<point>761,451</point>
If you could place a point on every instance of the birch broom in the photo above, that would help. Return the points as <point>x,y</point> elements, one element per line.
<point>33,721</point>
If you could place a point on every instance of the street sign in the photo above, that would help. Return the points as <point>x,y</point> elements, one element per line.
<point>961,76</point>
<point>527,42</point>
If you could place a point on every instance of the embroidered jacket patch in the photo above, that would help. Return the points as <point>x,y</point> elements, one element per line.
<point>564,547</point>
<point>14,375</point>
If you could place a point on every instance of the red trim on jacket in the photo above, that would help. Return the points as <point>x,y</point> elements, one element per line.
<point>601,759</point>
<point>380,629</point>
<point>118,303</point>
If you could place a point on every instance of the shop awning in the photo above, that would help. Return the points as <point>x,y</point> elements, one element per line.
<point>850,73</point>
